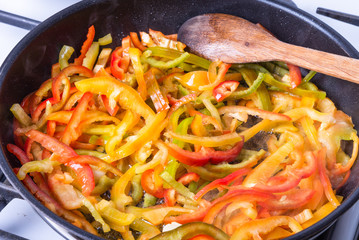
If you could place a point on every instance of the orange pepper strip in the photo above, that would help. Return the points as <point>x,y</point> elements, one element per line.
<point>328,190</point>
<point>264,226</point>
<point>86,45</point>
<point>70,130</point>
<point>136,41</point>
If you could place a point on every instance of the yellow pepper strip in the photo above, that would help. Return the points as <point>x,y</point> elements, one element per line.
<point>96,215</point>
<point>149,132</point>
<point>159,157</point>
<point>339,168</point>
<point>304,216</point>
<point>268,167</point>
<point>308,124</point>
<point>278,233</point>
<point>263,226</point>
<point>20,115</point>
<point>298,113</point>
<point>129,121</point>
<point>96,129</point>
<point>146,229</point>
<point>127,97</point>
<point>321,213</point>
<point>156,215</point>
<point>135,55</point>
<point>219,77</point>
<point>102,59</point>
<point>111,214</point>
<point>118,192</point>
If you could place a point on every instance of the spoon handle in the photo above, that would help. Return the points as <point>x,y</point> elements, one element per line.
<point>323,62</point>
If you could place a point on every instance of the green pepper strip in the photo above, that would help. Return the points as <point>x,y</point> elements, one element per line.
<point>274,68</point>
<point>212,172</point>
<point>179,187</point>
<point>244,93</point>
<point>189,230</point>
<point>149,200</point>
<point>182,129</point>
<point>144,228</point>
<point>104,184</point>
<point>20,115</point>
<point>309,76</point>
<point>262,91</point>
<point>172,54</point>
<point>90,153</point>
<point>164,65</point>
<point>64,56</point>
<point>269,79</point>
<point>137,191</point>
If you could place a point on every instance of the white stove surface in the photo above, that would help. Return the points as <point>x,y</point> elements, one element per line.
<point>19,218</point>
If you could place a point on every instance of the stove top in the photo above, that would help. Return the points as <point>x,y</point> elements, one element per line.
<point>17,218</point>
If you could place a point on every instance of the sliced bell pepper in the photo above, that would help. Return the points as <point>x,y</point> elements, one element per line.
<point>224,89</point>
<point>193,229</point>
<point>86,45</point>
<point>193,80</point>
<point>84,175</point>
<point>295,75</point>
<point>264,226</point>
<point>115,90</point>
<point>53,145</point>
<point>205,156</point>
<point>222,181</point>
<point>111,214</point>
<point>150,185</point>
<point>64,56</point>
<point>295,199</point>
<point>182,101</point>
<point>135,54</point>
<point>160,102</point>
<point>120,59</point>
<point>70,132</point>
<point>215,78</point>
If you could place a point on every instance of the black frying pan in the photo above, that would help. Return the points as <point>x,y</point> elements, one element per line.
<point>30,62</point>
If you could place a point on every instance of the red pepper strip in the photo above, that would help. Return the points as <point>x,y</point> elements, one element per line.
<point>86,45</point>
<point>136,41</point>
<point>65,73</point>
<point>21,156</point>
<point>110,110</point>
<point>70,130</point>
<point>81,145</point>
<point>224,89</point>
<point>27,148</point>
<point>188,178</point>
<point>221,181</point>
<point>55,69</point>
<point>150,185</point>
<point>120,59</point>
<point>197,215</point>
<point>85,175</point>
<point>17,138</point>
<point>25,103</point>
<point>295,75</point>
<point>55,207</point>
<point>160,102</point>
<point>183,100</point>
<point>205,156</point>
<point>293,200</point>
<point>170,197</point>
<point>52,144</point>
<point>36,114</point>
<point>282,184</point>
<point>328,190</point>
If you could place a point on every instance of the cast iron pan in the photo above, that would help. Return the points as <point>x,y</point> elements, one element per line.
<point>30,62</point>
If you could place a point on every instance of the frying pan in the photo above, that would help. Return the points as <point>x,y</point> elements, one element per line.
<point>30,62</point>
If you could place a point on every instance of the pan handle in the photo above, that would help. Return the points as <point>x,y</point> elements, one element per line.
<point>18,21</point>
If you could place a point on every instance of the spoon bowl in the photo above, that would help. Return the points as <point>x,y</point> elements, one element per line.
<point>233,39</point>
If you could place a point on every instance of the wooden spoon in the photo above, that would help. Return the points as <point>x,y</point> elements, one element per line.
<point>233,39</point>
